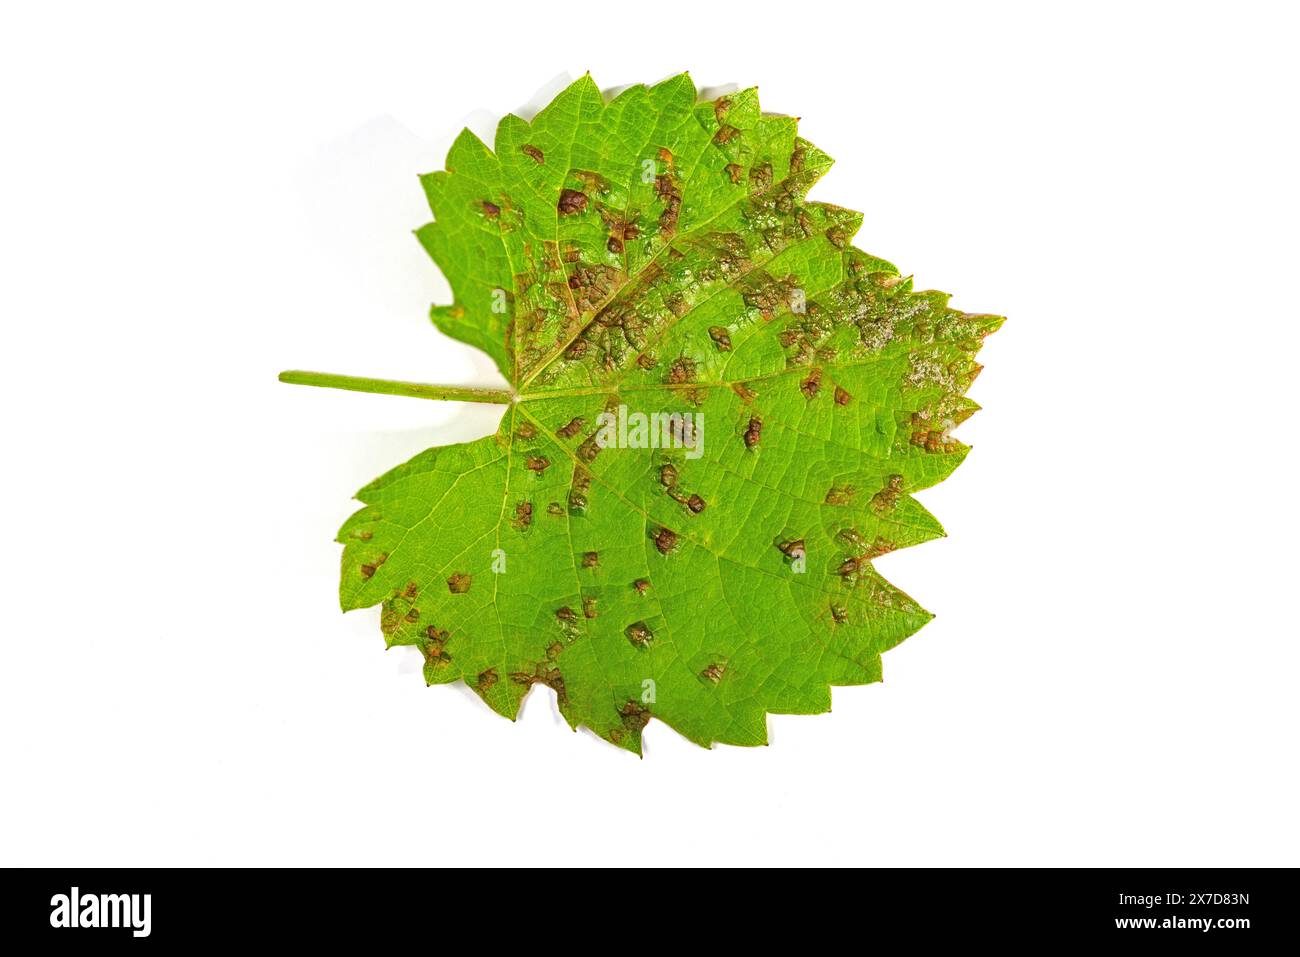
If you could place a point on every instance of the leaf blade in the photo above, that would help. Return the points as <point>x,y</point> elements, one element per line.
<point>658,256</point>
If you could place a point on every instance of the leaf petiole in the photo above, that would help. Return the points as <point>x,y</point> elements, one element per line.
<point>418,390</point>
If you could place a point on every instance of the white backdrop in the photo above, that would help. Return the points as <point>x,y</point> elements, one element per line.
<point>195,199</point>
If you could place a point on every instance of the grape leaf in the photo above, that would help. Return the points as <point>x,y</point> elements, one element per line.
<point>719,411</point>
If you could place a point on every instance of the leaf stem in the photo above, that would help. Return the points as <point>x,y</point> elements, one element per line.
<point>418,390</point>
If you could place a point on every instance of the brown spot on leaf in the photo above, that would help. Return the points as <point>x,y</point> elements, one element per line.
<point>413,615</point>
<point>592,284</point>
<point>619,231</point>
<point>887,497</point>
<point>572,429</point>
<point>459,583</point>
<point>566,614</point>
<point>725,134</point>
<point>811,385</point>
<point>934,440</point>
<point>589,607</point>
<point>572,201</point>
<point>842,396</point>
<point>525,431</point>
<point>537,155</point>
<point>769,295</point>
<point>792,549</point>
<point>735,171</point>
<point>881,546</point>
<point>486,679</point>
<point>537,463</point>
<point>543,674</point>
<point>840,494</point>
<point>721,338</point>
<point>639,634</point>
<point>591,181</point>
<point>578,490</point>
<point>713,673</point>
<point>491,209</point>
<point>696,504</point>
<point>434,652</point>
<point>671,196</point>
<point>668,475</point>
<point>642,585</point>
<point>665,540</point>
<point>635,716</point>
<point>590,559</point>
<point>682,370</point>
<point>753,432</point>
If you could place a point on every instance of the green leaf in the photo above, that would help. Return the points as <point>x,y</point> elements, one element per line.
<point>649,256</point>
